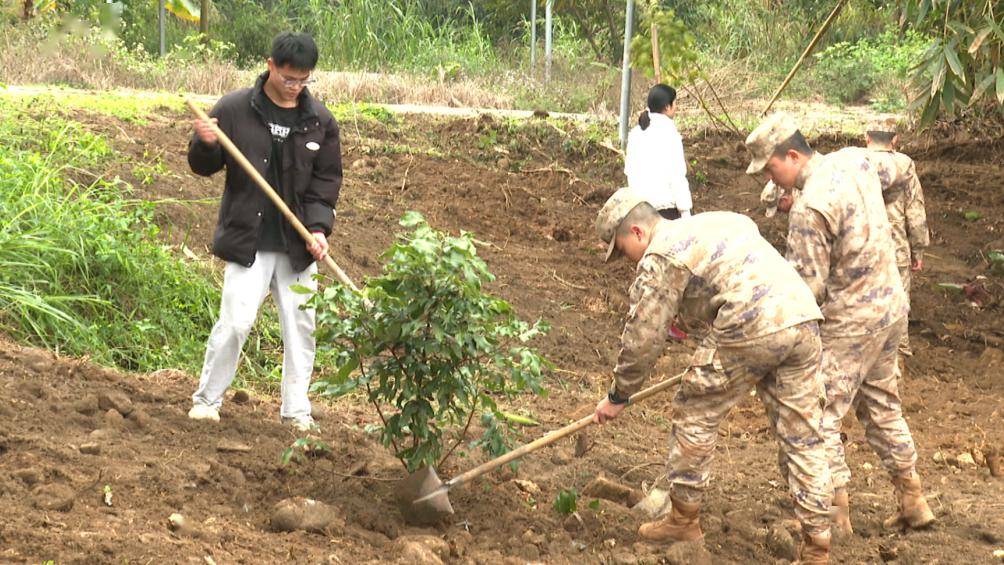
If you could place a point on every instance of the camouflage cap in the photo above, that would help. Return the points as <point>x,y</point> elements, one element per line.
<point>774,130</point>
<point>613,213</point>
<point>886,125</point>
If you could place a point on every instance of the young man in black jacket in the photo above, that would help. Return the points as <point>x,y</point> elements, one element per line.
<point>293,141</point>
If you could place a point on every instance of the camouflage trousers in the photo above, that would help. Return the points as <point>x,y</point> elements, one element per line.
<point>906,276</point>
<point>862,373</point>
<point>784,369</point>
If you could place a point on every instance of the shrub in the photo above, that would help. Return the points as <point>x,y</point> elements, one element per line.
<point>432,350</point>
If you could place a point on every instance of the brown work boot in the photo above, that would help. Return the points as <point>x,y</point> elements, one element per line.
<point>681,524</point>
<point>840,514</point>
<point>815,549</point>
<point>913,509</point>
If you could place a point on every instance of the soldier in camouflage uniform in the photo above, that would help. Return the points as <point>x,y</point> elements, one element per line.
<point>761,332</point>
<point>904,203</point>
<point>839,240</point>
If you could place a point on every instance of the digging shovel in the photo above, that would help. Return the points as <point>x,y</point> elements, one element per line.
<point>423,498</point>
<point>263,184</point>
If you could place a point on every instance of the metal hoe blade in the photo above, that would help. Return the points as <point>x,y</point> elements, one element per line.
<point>422,498</point>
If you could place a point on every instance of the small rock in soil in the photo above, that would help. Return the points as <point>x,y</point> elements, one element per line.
<point>232,446</point>
<point>624,558</point>
<point>88,405</point>
<point>780,543</point>
<point>140,418</point>
<point>90,448</point>
<point>581,522</point>
<point>318,412</point>
<point>113,419</point>
<point>176,522</point>
<point>995,462</point>
<point>28,476</point>
<point>301,513</point>
<point>528,487</point>
<point>741,522</point>
<point>711,524</point>
<point>966,460</point>
<point>103,434</point>
<point>888,552</point>
<point>604,488</point>
<point>115,400</point>
<point>241,397</point>
<point>56,497</point>
<point>687,553</point>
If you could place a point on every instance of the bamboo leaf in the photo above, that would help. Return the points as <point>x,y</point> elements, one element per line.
<point>939,77</point>
<point>953,61</point>
<point>930,112</point>
<point>979,39</point>
<point>1000,86</point>
<point>981,87</point>
<point>997,29</point>
<point>948,97</point>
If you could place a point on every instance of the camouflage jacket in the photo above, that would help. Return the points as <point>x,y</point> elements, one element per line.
<point>715,269</point>
<point>904,203</point>
<point>839,240</point>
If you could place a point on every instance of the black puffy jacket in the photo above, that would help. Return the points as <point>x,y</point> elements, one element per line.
<point>311,170</point>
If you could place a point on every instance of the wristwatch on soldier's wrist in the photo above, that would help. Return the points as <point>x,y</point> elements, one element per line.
<point>614,398</point>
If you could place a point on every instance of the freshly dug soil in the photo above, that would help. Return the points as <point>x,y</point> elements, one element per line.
<point>71,432</point>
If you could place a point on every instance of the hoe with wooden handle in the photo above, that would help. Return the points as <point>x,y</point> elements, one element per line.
<point>423,498</point>
<point>263,184</point>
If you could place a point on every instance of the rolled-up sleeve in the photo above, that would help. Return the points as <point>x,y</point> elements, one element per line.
<point>655,300</point>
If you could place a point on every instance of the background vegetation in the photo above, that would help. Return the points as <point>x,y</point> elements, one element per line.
<point>477,53</point>
<point>82,270</point>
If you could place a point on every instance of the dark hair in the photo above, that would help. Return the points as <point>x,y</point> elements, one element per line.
<point>660,97</point>
<point>642,214</point>
<point>882,137</point>
<point>296,50</point>
<point>797,142</point>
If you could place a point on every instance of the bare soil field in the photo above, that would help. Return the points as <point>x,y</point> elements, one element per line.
<point>69,429</point>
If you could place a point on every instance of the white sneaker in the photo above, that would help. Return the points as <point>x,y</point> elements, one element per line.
<point>204,412</point>
<point>302,424</point>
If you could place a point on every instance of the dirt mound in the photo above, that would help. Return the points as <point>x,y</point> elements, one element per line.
<point>69,429</point>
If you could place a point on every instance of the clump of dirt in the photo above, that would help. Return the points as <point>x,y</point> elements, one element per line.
<point>534,217</point>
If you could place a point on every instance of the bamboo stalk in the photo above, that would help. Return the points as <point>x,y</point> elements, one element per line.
<point>812,45</point>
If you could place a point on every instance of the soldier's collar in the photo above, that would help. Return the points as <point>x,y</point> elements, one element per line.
<point>807,170</point>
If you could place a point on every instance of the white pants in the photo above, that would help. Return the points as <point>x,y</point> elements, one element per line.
<point>244,289</point>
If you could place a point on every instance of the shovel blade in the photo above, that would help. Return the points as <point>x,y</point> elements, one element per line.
<point>430,510</point>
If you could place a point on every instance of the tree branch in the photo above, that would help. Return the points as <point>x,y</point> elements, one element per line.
<point>463,434</point>
<point>369,394</point>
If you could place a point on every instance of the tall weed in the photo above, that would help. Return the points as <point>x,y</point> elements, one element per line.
<point>81,268</point>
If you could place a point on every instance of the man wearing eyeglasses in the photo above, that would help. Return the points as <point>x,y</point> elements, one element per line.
<point>293,141</point>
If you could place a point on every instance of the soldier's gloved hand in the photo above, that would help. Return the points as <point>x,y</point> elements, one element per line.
<point>606,411</point>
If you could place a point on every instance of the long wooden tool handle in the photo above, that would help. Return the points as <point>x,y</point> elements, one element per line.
<point>555,435</point>
<point>263,184</point>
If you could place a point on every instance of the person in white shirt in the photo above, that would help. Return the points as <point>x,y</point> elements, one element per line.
<point>654,164</point>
